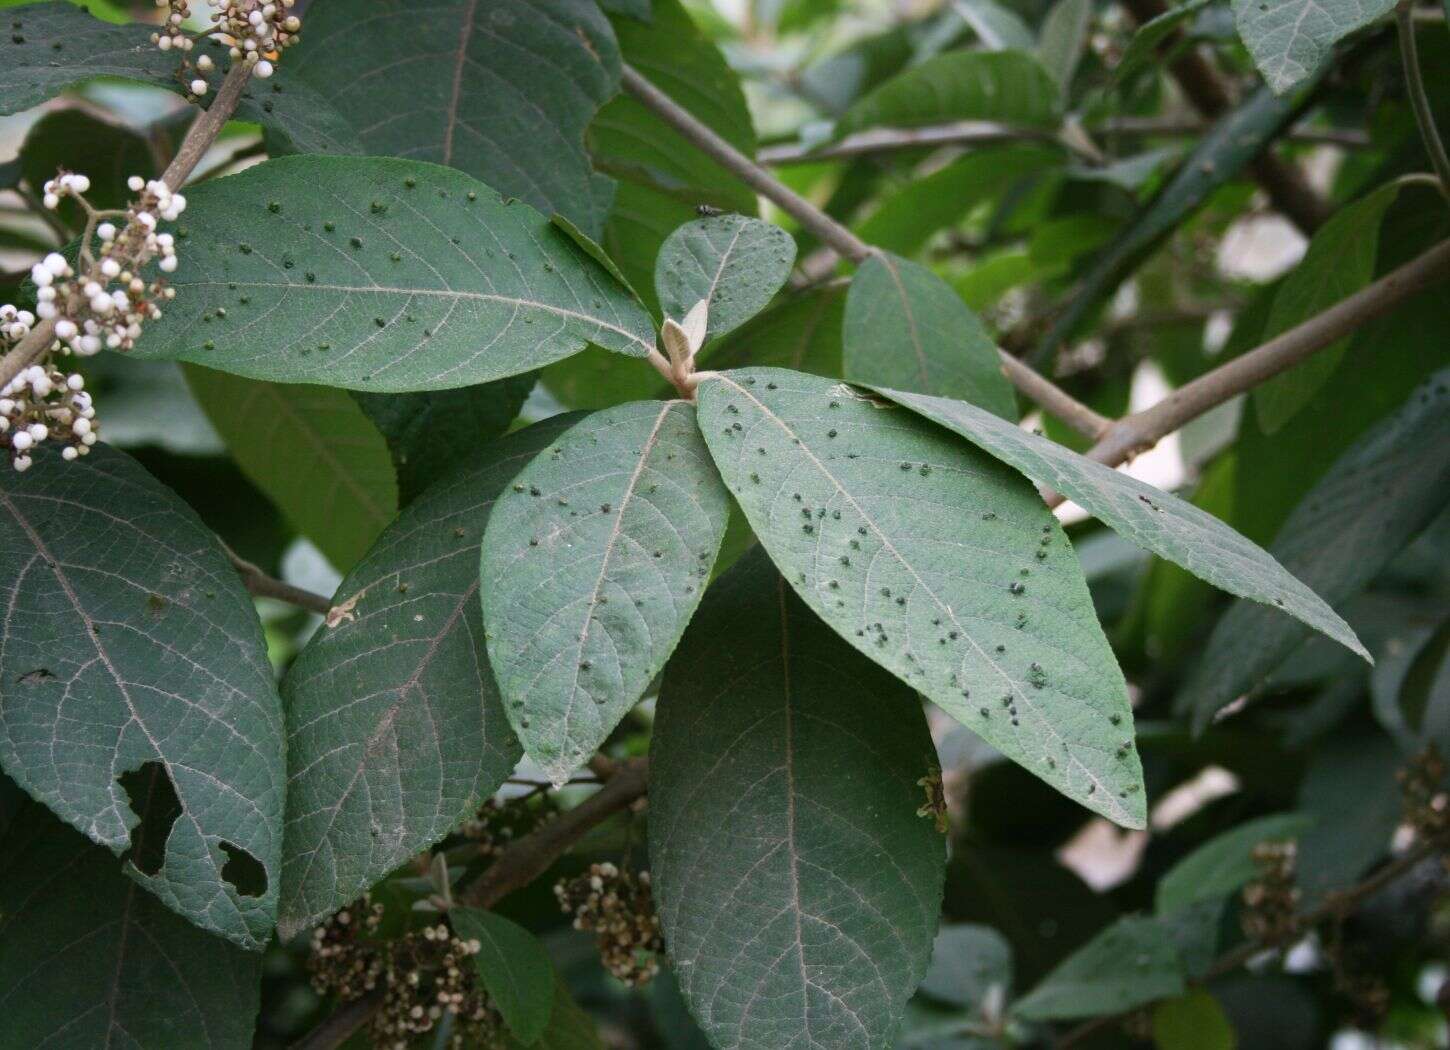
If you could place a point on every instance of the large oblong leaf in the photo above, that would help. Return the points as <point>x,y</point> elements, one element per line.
<point>798,888</point>
<point>51,47</point>
<point>1378,496</point>
<point>591,567</point>
<point>906,328</point>
<point>381,274</point>
<point>1130,963</point>
<point>939,563</point>
<point>312,451</point>
<point>1153,519</point>
<point>394,726</point>
<point>89,960</point>
<point>129,644</point>
<point>1006,86</point>
<point>735,262</point>
<point>502,90</point>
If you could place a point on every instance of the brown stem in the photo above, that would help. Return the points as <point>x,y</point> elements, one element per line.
<point>517,866</point>
<point>1209,94</point>
<point>1335,906</point>
<point>261,585</point>
<point>831,232</point>
<point>199,138</point>
<point>1142,430</point>
<point>979,132</point>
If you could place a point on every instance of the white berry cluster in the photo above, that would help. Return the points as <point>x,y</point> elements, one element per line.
<point>107,301</point>
<point>254,31</point>
<point>42,404</point>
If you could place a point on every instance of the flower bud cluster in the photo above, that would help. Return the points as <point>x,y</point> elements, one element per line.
<point>424,976</point>
<point>42,404</point>
<point>618,907</point>
<point>500,822</point>
<point>1423,791</point>
<point>1271,900</point>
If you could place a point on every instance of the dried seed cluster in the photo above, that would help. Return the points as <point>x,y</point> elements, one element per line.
<point>501,822</point>
<point>254,32</point>
<point>1272,899</point>
<point>424,975</point>
<point>618,907</point>
<point>1422,789</point>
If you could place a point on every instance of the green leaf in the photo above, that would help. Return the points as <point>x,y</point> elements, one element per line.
<point>513,968</point>
<point>1234,141</point>
<point>381,274</point>
<point>802,332</point>
<point>908,218</point>
<point>735,262</point>
<point>1351,790</point>
<point>1130,963</point>
<point>969,965</point>
<point>1376,498</point>
<point>1411,689</point>
<point>1153,519</point>
<point>569,1028</point>
<point>905,327</point>
<point>502,90</point>
<point>1340,261</point>
<point>1292,40</point>
<point>591,567</point>
<point>394,725</point>
<point>1064,32</point>
<point>312,451</point>
<point>118,594</point>
<point>1142,49</point>
<point>429,432</point>
<point>1224,864</point>
<point>797,887</point>
<point>998,28</point>
<point>52,47</point>
<point>913,546</point>
<point>88,960</point>
<point>1009,87</point>
<point>1193,1021</point>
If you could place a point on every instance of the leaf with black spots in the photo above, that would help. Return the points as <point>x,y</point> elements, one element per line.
<point>129,642</point>
<point>381,274</point>
<point>1153,519</point>
<point>592,564</point>
<point>939,563</point>
<point>395,731</point>
<point>733,262</point>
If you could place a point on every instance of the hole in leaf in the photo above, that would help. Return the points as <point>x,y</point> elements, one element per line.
<point>244,871</point>
<point>153,799</point>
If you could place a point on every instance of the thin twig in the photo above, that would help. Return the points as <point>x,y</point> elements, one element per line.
<point>1210,94</point>
<point>518,865</point>
<point>1335,906</point>
<point>261,585</point>
<point>980,132</point>
<point>1142,430</point>
<point>831,232</point>
<point>37,208</point>
<point>1419,100</point>
<point>199,138</point>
